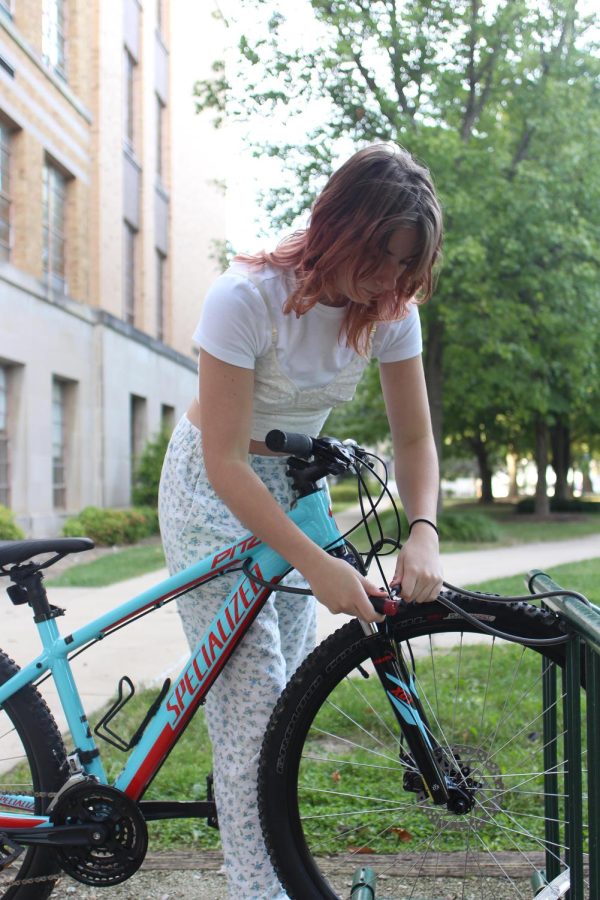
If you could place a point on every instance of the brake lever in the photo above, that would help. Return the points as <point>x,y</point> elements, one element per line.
<point>385,606</point>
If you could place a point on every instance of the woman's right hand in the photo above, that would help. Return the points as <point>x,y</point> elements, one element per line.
<point>342,589</point>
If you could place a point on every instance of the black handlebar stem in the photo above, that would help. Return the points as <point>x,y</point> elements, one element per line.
<point>312,459</point>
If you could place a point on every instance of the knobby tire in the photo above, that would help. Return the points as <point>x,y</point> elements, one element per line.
<point>331,793</point>
<point>32,762</point>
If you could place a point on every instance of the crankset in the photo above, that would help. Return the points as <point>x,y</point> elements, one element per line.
<point>119,833</point>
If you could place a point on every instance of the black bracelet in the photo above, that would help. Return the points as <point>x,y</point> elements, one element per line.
<point>427,521</point>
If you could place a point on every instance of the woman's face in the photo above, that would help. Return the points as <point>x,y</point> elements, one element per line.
<point>400,252</point>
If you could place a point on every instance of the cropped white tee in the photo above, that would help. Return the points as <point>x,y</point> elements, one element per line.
<point>302,366</point>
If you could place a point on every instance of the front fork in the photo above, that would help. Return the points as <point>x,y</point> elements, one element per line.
<point>399,687</point>
<point>426,755</point>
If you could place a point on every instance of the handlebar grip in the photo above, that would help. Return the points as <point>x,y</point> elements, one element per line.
<point>290,442</point>
<point>385,606</point>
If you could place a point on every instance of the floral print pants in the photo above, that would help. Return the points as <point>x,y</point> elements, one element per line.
<point>194,523</point>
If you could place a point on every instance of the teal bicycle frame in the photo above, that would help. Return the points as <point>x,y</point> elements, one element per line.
<point>312,514</point>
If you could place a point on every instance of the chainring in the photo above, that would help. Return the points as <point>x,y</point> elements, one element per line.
<point>123,849</point>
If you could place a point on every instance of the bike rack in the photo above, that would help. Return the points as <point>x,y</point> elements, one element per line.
<point>363,884</point>
<point>583,646</point>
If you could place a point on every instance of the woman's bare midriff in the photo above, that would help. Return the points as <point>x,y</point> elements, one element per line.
<point>258,447</point>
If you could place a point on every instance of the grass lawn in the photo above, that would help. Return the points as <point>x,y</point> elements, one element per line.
<point>513,529</point>
<point>113,567</point>
<point>334,767</point>
<point>581,576</point>
<point>184,774</point>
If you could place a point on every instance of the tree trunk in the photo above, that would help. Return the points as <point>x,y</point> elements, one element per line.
<point>542,502</point>
<point>560,438</point>
<point>485,473</point>
<point>512,466</point>
<point>587,487</point>
<point>432,362</point>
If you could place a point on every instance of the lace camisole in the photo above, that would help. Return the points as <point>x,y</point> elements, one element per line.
<point>296,384</point>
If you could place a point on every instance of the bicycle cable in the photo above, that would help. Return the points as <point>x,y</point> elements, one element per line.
<point>365,497</point>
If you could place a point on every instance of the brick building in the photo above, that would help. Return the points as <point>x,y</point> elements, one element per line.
<point>109,207</point>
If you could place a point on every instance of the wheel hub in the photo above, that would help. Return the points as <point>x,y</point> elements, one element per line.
<point>119,842</point>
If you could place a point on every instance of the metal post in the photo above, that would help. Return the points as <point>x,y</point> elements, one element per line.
<point>573,778</point>
<point>551,789</point>
<point>593,755</point>
<point>363,884</point>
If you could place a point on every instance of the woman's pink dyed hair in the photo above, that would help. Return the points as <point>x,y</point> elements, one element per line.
<point>377,191</point>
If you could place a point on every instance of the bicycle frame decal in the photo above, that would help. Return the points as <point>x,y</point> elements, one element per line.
<point>213,645</point>
<point>17,802</point>
<point>402,698</point>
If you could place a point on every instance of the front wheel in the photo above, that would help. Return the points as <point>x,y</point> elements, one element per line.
<point>32,768</point>
<point>335,788</point>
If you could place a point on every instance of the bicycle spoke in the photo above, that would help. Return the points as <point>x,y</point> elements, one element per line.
<point>482,703</point>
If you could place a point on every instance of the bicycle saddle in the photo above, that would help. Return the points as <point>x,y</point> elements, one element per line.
<point>19,551</point>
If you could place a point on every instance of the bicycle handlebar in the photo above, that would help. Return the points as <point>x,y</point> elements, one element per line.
<point>301,445</point>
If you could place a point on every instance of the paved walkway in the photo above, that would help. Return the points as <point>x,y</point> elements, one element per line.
<point>155,647</point>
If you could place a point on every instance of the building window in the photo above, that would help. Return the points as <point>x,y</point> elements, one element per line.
<point>161,270</point>
<point>129,110</point>
<point>167,417</point>
<point>54,211</point>
<point>137,425</point>
<point>160,138</point>
<point>4,443</point>
<point>129,273</point>
<point>59,443</point>
<point>53,36</point>
<point>5,136</point>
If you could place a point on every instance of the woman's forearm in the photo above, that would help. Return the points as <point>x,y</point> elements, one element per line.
<point>417,478</point>
<point>251,502</point>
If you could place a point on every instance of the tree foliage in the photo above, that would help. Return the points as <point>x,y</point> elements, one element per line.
<point>501,100</point>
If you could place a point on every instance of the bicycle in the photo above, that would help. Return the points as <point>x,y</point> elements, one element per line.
<point>363,754</point>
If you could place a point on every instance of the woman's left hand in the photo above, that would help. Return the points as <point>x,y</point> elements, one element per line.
<point>418,568</point>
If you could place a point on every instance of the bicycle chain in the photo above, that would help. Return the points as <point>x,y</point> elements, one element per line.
<point>38,879</point>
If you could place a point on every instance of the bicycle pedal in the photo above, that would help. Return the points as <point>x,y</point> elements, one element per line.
<point>6,859</point>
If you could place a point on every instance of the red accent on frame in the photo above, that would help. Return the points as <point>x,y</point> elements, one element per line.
<point>168,736</point>
<point>175,592</point>
<point>7,823</point>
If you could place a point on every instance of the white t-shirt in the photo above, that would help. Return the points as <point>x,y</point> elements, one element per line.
<point>237,327</point>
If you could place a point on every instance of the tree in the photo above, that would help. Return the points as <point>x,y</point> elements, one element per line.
<point>480,91</point>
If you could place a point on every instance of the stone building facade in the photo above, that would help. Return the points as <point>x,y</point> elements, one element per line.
<point>109,207</point>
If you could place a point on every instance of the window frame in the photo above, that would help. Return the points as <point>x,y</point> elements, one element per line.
<point>54,36</point>
<point>53,237</point>
<point>59,461</point>
<point>161,293</point>
<point>6,135</point>
<point>5,480</point>
<point>129,271</point>
<point>129,99</point>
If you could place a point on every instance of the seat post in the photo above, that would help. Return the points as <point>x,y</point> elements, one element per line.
<point>29,588</point>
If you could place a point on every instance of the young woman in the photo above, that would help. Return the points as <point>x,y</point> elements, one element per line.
<point>284,337</point>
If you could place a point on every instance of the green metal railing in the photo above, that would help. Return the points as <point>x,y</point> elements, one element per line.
<point>582,658</point>
<point>582,668</point>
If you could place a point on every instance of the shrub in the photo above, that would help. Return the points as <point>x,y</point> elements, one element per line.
<point>572,505</point>
<point>113,526</point>
<point>466,527</point>
<point>147,471</point>
<point>9,530</point>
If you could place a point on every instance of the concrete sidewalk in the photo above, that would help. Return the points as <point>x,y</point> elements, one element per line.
<point>155,647</point>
